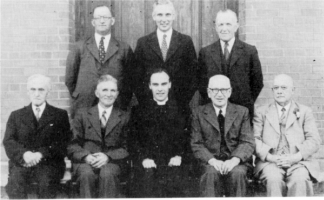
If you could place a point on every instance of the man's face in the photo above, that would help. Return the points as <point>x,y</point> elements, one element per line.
<point>226,26</point>
<point>163,15</point>
<point>160,85</point>
<point>38,91</point>
<point>102,20</point>
<point>107,93</point>
<point>219,90</point>
<point>283,90</point>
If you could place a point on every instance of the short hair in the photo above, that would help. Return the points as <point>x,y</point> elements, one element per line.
<point>102,5</point>
<point>107,78</point>
<point>159,70</point>
<point>46,79</point>
<point>163,2</point>
<point>226,11</point>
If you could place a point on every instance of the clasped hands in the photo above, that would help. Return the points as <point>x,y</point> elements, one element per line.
<point>224,167</point>
<point>97,160</point>
<point>31,159</point>
<point>149,163</point>
<point>284,161</point>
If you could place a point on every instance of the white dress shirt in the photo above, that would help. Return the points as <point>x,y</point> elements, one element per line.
<point>106,40</point>
<point>42,108</point>
<point>168,38</point>
<point>218,109</point>
<point>230,44</point>
<point>279,107</point>
<point>108,111</point>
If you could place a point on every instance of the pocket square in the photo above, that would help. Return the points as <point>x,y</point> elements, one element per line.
<point>51,124</point>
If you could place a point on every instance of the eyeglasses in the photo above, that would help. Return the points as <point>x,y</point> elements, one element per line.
<point>216,90</point>
<point>102,17</point>
<point>275,88</point>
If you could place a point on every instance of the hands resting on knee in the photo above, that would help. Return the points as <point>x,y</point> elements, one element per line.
<point>97,160</point>
<point>149,163</point>
<point>31,159</point>
<point>284,161</point>
<point>224,167</point>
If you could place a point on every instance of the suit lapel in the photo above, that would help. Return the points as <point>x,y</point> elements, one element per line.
<point>29,117</point>
<point>174,44</point>
<point>216,52</point>
<point>93,117</point>
<point>236,52</point>
<point>92,46</point>
<point>291,117</point>
<point>46,116</point>
<point>112,49</point>
<point>210,116</point>
<point>154,44</point>
<point>272,117</point>
<point>113,120</point>
<point>230,116</point>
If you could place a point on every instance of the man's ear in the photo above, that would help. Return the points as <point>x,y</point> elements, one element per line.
<point>96,93</point>
<point>93,22</point>
<point>113,21</point>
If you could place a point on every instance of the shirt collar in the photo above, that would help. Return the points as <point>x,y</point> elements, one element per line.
<point>218,109</point>
<point>161,102</point>
<point>41,107</point>
<point>160,36</point>
<point>106,40</point>
<point>101,109</point>
<point>230,44</point>
<point>279,108</point>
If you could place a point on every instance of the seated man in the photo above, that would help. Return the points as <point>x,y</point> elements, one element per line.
<point>99,144</point>
<point>222,140</point>
<point>286,138</point>
<point>35,142</point>
<point>158,132</point>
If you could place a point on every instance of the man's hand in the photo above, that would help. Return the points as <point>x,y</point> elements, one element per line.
<point>230,164</point>
<point>100,160</point>
<point>286,161</point>
<point>148,163</point>
<point>31,159</point>
<point>89,159</point>
<point>217,164</point>
<point>272,158</point>
<point>175,161</point>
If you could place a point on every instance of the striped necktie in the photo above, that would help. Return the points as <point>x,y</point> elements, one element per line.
<point>164,47</point>
<point>103,119</point>
<point>102,52</point>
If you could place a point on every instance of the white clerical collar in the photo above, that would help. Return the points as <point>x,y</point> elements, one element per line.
<point>218,109</point>
<point>41,107</point>
<point>102,109</point>
<point>160,103</point>
<point>106,40</point>
<point>160,36</point>
<point>230,44</point>
<point>279,108</point>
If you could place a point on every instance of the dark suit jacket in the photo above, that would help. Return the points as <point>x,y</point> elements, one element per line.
<point>49,137</point>
<point>158,132</point>
<point>83,70</point>
<point>87,137</point>
<point>181,63</point>
<point>244,72</point>
<point>206,136</point>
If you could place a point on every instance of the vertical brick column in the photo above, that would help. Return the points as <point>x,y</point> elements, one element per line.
<point>35,38</point>
<point>289,37</point>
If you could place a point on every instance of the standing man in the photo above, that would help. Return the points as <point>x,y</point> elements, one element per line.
<point>233,58</point>
<point>98,55</point>
<point>286,138</point>
<point>168,49</point>
<point>98,148</point>
<point>222,140</point>
<point>35,142</point>
<point>159,137</point>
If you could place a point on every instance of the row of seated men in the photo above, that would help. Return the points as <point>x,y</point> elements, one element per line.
<point>284,137</point>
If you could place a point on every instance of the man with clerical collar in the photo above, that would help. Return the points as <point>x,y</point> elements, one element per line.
<point>286,137</point>
<point>35,142</point>
<point>157,141</point>
<point>98,55</point>
<point>98,148</point>
<point>222,140</point>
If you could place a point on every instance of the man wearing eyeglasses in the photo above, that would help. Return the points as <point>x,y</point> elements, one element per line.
<point>222,140</point>
<point>286,138</point>
<point>95,56</point>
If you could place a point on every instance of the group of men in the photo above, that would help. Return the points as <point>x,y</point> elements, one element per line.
<point>102,74</point>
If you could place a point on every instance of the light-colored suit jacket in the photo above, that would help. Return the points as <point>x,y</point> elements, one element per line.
<point>301,133</point>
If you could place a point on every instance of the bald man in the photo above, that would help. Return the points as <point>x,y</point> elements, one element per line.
<point>286,138</point>
<point>222,140</point>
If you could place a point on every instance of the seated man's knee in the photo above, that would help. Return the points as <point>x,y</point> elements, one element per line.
<point>299,175</point>
<point>85,172</point>
<point>109,171</point>
<point>271,174</point>
<point>210,171</point>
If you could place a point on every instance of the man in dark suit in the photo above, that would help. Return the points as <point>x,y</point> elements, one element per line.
<point>158,142</point>
<point>222,139</point>
<point>168,49</point>
<point>98,148</point>
<point>35,142</point>
<point>98,55</point>
<point>233,58</point>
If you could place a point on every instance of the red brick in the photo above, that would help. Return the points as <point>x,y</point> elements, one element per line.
<point>56,71</point>
<point>64,95</point>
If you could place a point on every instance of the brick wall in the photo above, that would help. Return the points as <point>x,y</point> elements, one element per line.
<point>35,38</point>
<point>289,37</point>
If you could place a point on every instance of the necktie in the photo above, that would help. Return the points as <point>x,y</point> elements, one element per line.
<point>221,120</point>
<point>103,119</point>
<point>37,113</point>
<point>223,148</point>
<point>102,52</point>
<point>226,52</point>
<point>164,47</point>
<point>283,146</point>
